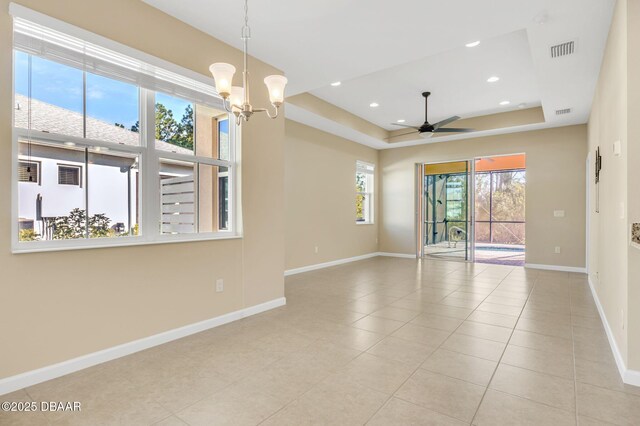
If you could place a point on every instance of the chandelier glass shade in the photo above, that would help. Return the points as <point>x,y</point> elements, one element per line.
<point>236,98</point>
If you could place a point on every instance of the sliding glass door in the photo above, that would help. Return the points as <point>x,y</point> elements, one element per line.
<point>445,211</point>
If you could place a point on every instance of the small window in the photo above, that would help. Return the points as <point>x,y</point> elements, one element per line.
<point>29,171</point>
<point>364,192</point>
<point>69,175</point>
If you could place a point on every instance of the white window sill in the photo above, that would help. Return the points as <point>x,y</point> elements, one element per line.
<point>64,245</point>
<point>365,223</point>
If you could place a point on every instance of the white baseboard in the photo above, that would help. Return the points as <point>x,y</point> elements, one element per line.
<point>556,268</point>
<point>43,374</point>
<point>328,264</point>
<point>402,255</point>
<point>631,377</point>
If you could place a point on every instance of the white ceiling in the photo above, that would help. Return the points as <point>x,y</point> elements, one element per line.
<point>457,79</point>
<point>390,51</point>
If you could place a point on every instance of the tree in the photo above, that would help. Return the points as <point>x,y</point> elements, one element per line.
<point>361,180</point>
<point>186,128</point>
<point>167,129</point>
<point>170,131</point>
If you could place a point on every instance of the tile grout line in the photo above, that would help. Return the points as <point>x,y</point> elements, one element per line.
<point>503,351</point>
<point>420,365</point>
<point>573,353</point>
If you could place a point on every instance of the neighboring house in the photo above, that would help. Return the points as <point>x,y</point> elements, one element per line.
<point>52,180</point>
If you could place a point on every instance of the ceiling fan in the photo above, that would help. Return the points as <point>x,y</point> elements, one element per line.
<point>427,129</point>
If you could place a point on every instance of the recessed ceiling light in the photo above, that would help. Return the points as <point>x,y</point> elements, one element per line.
<point>401,121</point>
<point>70,144</point>
<point>505,103</point>
<point>374,104</point>
<point>522,105</point>
<point>473,43</point>
<point>336,83</point>
<point>493,79</point>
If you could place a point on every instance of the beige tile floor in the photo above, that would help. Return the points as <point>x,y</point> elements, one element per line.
<point>384,342</point>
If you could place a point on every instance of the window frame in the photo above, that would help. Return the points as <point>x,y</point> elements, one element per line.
<point>149,168</point>
<point>38,174</point>
<point>71,166</point>
<point>362,167</point>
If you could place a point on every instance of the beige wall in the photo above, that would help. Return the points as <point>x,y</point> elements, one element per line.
<point>607,229</point>
<point>59,305</point>
<point>331,112</point>
<point>555,181</point>
<point>320,197</point>
<point>614,264</point>
<point>633,177</point>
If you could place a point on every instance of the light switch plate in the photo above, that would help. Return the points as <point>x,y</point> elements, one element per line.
<point>617,148</point>
<point>558,213</point>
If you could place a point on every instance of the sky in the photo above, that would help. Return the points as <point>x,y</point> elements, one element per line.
<point>108,100</point>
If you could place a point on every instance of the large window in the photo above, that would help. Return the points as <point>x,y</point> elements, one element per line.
<point>364,192</point>
<point>111,147</point>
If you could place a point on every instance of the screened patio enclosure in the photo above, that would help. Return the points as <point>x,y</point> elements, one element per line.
<point>446,210</point>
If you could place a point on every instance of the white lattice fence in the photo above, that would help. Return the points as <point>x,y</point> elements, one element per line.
<point>178,205</point>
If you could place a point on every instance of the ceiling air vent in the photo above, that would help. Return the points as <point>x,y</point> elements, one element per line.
<point>563,49</point>
<point>563,111</point>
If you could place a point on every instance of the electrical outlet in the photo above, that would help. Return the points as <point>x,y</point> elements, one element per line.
<point>315,249</point>
<point>557,250</point>
<point>558,213</point>
<point>219,285</point>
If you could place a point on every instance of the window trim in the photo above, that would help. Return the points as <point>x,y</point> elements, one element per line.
<point>148,195</point>
<point>71,166</point>
<point>362,167</point>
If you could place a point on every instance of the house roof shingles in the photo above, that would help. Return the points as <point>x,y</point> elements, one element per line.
<point>55,119</point>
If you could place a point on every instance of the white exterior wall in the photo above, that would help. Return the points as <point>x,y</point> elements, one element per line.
<point>107,193</point>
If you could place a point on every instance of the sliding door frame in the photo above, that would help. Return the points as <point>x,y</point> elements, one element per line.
<point>420,208</point>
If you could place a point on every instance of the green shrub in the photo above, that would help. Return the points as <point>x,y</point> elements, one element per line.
<point>74,225</point>
<point>28,235</point>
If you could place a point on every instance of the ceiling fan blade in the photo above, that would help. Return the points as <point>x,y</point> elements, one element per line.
<point>445,122</point>
<point>405,125</point>
<point>452,130</point>
<point>405,134</point>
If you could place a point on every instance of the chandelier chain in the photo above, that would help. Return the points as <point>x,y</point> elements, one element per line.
<point>246,30</point>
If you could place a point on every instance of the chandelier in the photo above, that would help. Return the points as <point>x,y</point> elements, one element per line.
<point>236,99</point>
